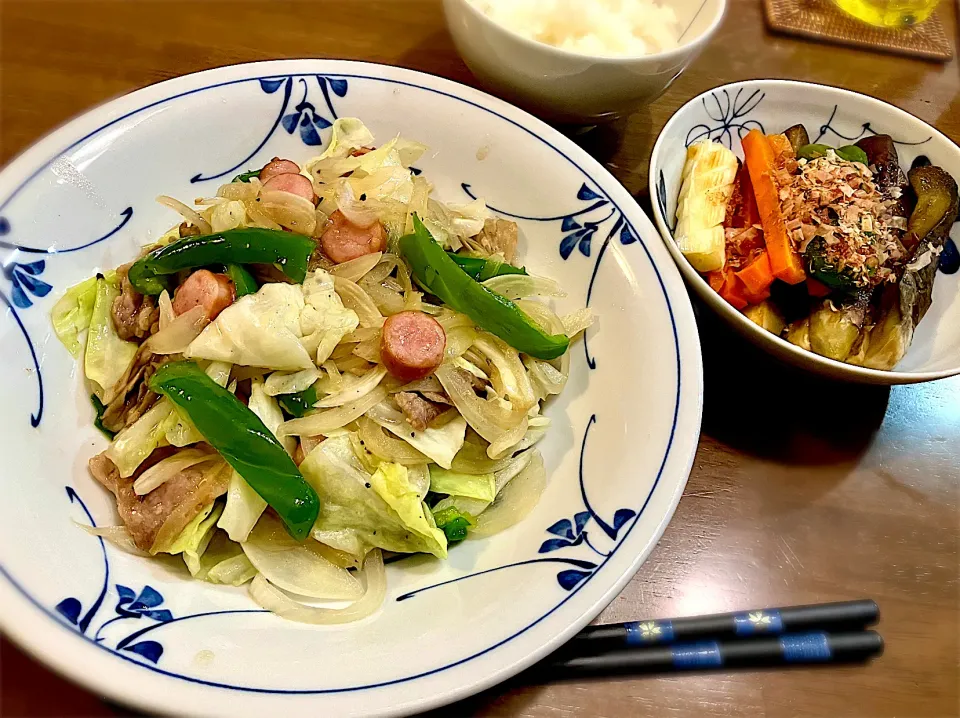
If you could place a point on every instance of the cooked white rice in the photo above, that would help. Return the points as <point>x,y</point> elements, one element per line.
<point>592,27</point>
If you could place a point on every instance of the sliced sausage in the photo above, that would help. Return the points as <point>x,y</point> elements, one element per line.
<point>277,166</point>
<point>203,288</point>
<point>292,183</point>
<point>411,345</point>
<point>343,241</point>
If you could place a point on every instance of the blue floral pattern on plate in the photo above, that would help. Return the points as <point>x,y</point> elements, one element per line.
<point>26,286</point>
<point>304,118</point>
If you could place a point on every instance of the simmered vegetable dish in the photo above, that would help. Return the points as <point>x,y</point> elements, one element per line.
<point>833,248</point>
<point>318,365</point>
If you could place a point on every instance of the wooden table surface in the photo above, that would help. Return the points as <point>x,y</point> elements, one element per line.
<point>792,499</point>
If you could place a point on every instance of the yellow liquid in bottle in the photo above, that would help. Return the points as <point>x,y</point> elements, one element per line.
<point>889,13</point>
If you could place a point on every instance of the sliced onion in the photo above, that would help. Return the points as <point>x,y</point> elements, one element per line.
<point>512,469</point>
<point>258,218</point>
<point>355,269</point>
<point>167,315</point>
<point>459,340</point>
<point>386,447</point>
<point>285,382</point>
<point>489,418</point>
<point>509,377</point>
<point>504,444</point>
<point>536,429</point>
<point>429,383</point>
<point>515,501</point>
<point>353,297</point>
<point>336,379</point>
<point>550,379</point>
<point>542,315</point>
<point>186,212</point>
<point>273,599</point>
<point>387,301</point>
<point>177,336</point>
<point>353,365</point>
<point>358,213</point>
<point>368,350</point>
<point>385,414</point>
<point>361,334</point>
<point>118,536</point>
<point>295,566</point>
<point>577,321</point>
<point>162,471</point>
<point>520,286</point>
<point>354,390</point>
<point>450,320</point>
<point>325,421</point>
<point>289,210</point>
<point>472,459</point>
<point>242,191</point>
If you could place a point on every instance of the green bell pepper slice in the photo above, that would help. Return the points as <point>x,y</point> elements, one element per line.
<point>443,277</point>
<point>299,404</point>
<point>243,440</point>
<point>243,281</point>
<point>484,269</point>
<point>850,153</point>
<point>290,252</point>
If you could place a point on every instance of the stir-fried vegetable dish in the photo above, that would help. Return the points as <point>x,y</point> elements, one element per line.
<point>320,364</point>
<point>833,249</point>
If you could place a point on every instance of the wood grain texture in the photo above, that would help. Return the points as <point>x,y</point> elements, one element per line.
<point>812,491</point>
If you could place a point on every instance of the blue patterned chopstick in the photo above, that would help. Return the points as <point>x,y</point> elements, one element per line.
<point>842,616</point>
<point>771,651</point>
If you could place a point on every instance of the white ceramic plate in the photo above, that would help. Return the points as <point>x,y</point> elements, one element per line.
<point>834,117</point>
<point>618,454</point>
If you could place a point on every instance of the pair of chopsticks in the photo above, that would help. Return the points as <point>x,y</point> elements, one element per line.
<point>770,637</point>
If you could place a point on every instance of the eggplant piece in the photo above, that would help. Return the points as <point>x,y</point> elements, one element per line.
<point>799,333</point>
<point>835,331</point>
<point>766,315</point>
<point>903,306</point>
<point>882,155</point>
<point>936,209</point>
<point>798,137</point>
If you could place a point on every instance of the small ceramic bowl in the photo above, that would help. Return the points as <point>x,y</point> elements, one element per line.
<point>566,86</point>
<point>834,117</point>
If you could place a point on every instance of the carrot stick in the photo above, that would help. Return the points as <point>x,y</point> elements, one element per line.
<point>782,150</point>
<point>760,159</point>
<point>733,290</point>
<point>757,276</point>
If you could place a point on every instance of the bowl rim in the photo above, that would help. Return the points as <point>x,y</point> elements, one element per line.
<point>37,635</point>
<point>802,358</point>
<point>560,53</point>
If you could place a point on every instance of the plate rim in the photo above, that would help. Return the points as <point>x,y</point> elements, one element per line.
<point>774,345</point>
<point>35,158</point>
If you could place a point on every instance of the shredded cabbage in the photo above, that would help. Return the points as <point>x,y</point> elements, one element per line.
<point>360,511</point>
<point>268,409</point>
<point>223,561</point>
<point>474,486</point>
<point>107,356</point>
<point>72,313</point>
<point>243,510</point>
<point>283,326</point>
